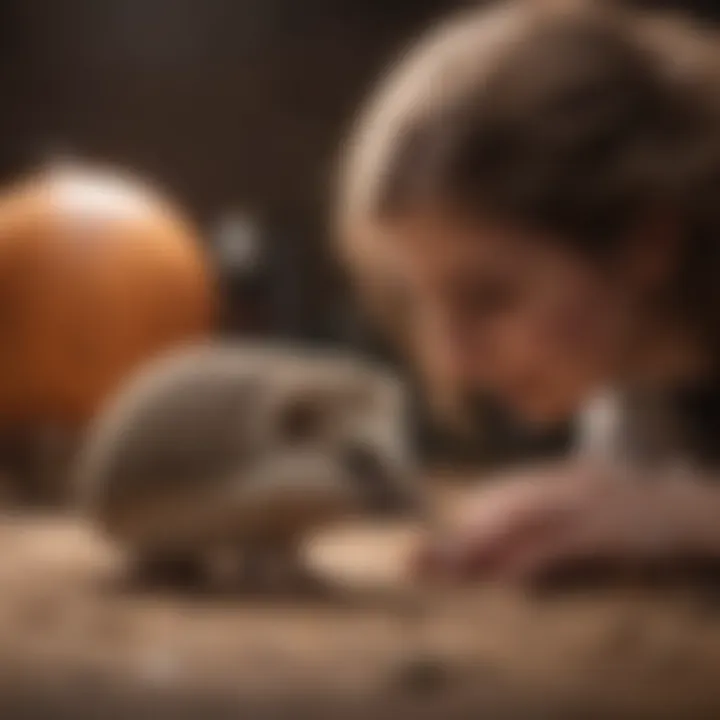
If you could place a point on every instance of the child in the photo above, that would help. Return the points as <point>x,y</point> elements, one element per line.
<point>542,181</point>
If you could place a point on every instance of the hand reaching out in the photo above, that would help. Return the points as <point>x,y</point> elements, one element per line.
<point>570,518</point>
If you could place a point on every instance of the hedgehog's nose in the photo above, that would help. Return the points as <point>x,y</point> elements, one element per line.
<point>362,462</point>
<point>381,488</point>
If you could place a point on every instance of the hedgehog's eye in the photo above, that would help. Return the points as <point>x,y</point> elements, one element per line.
<point>302,420</point>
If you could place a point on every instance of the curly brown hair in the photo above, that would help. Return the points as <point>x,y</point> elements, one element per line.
<point>568,116</point>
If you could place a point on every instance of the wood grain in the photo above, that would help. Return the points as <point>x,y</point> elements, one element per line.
<point>76,642</point>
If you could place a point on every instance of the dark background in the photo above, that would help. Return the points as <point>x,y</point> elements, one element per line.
<point>227,104</point>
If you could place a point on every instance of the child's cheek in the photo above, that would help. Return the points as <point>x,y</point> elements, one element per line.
<point>576,330</point>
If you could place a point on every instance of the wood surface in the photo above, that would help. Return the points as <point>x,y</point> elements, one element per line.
<point>77,641</point>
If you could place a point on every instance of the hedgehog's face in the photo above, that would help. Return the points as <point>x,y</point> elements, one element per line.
<point>342,430</point>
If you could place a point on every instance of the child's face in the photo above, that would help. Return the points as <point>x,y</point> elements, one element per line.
<point>512,313</point>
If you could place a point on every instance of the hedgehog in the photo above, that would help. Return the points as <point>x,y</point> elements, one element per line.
<point>242,450</point>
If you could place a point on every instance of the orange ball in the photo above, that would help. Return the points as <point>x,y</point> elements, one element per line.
<point>97,274</point>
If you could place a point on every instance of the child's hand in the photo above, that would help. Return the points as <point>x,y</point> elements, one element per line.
<point>528,528</point>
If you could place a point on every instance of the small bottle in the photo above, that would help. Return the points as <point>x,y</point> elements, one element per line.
<point>240,258</point>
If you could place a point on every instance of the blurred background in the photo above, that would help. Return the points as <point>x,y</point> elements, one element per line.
<point>237,109</point>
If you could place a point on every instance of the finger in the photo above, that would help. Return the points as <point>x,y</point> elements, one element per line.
<point>499,520</point>
<point>478,556</point>
<point>475,555</point>
<point>548,557</point>
<point>576,554</point>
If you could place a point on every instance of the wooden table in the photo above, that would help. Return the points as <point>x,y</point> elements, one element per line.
<point>74,643</point>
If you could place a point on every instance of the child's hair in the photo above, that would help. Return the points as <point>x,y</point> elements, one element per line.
<point>565,116</point>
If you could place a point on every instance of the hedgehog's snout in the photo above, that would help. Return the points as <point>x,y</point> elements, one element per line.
<point>383,486</point>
